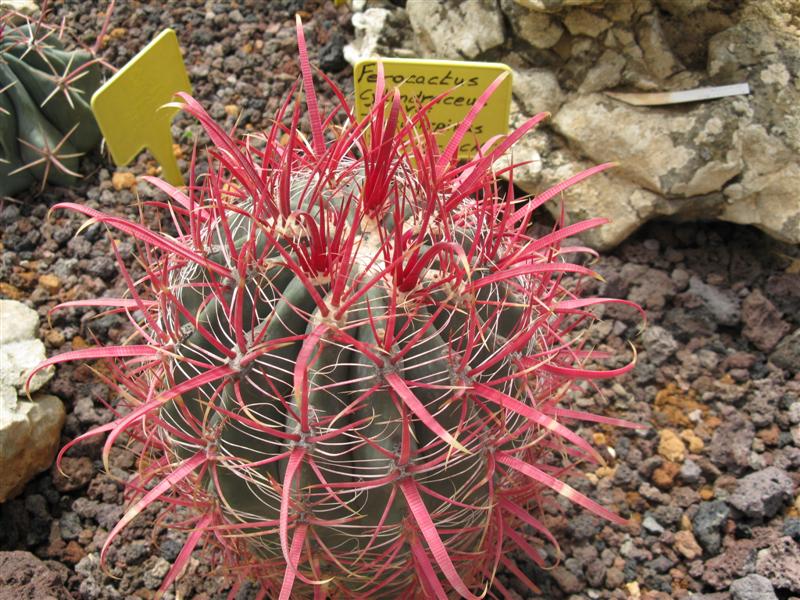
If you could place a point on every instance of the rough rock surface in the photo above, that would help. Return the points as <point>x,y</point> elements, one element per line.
<point>780,563</point>
<point>762,494</point>
<point>30,430</point>
<point>752,587</point>
<point>734,159</point>
<point>20,350</point>
<point>441,27</point>
<point>708,523</point>
<point>25,577</point>
<point>30,433</point>
<point>17,322</point>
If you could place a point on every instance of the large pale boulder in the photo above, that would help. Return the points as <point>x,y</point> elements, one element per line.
<point>456,29</point>
<point>735,159</point>
<point>17,322</point>
<point>30,430</point>
<point>30,433</point>
<point>684,152</point>
<point>20,350</point>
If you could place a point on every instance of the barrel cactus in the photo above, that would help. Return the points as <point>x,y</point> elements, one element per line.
<point>353,361</point>
<point>46,122</point>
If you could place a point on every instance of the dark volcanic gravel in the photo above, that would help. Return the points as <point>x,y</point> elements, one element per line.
<point>711,486</point>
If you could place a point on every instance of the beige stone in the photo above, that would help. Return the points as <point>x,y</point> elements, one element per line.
<point>657,54</point>
<point>643,141</point>
<point>20,350</point>
<point>30,433</point>
<point>123,180</point>
<point>671,447</point>
<point>687,545</point>
<point>17,322</point>
<point>583,22</point>
<point>537,28</point>
<point>605,74</point>
<point>537,90</point>
<point>456,30</point>
<point>770,202</point>
<point>50,283</point>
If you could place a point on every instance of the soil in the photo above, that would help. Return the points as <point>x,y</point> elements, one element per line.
<point>710,486</point>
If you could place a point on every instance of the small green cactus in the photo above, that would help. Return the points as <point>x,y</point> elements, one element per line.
<point>46,122</point>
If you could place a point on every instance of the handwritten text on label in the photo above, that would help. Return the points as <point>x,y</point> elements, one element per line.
<point>420,81</point>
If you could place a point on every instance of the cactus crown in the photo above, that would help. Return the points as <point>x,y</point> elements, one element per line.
<point>352,357</point>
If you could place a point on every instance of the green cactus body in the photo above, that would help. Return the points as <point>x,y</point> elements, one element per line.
<point>44,108</point>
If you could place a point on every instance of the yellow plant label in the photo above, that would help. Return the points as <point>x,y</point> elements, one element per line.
<point>130,110</point>
<point>420,81</point>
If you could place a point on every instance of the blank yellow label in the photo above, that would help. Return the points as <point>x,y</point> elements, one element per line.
<point>420,81</point>
<point>129,107</point>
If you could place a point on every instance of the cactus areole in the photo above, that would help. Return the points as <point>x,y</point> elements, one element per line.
<point>353,359</point>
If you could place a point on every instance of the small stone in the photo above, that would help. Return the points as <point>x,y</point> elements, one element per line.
<point>614,578</point>
<point>657,53</point>
<point>458,30</point>
<point>671,447</point>
<point>17,361</point>
<point>762,494</point>
<point>73,474</point>
<point>708,523</point>
<point>537,28</point>
<point>537,90</point>
<point>155,574</point>
<point>123,180</point>
<point>135,552</point>
<point>690,471</point>
<point>583,22</point>
<point>9,291</point>
<point>567,580</point>
<point>752,587</point>
<point>730,445</point>
<point>70,525</point>
<point>787,353</point>
<point>664,476</point>
<point>50,283</point>
<point>791,528</point>
<point>794,413</point>
<point>55,338</point>
<point>659,344</point>
<point>634,591</point>
<point>722,304</point>
<point>651,525</point>
<point>695,443</point>
<point>763,325</point>
<point>780,563</point>
<point>231,110</point>
<point>687,545</point>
